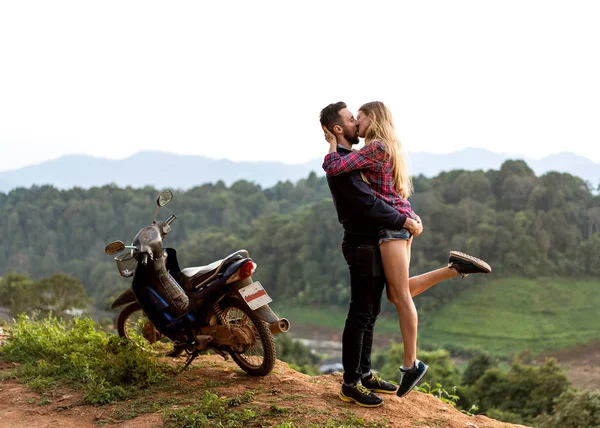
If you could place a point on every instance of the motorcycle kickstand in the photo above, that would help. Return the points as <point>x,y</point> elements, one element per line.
<point>190,359</point>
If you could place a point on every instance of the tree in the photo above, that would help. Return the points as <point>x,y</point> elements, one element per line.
<point>527,391</point>
<point>16,291</point>
<point>477,366</point>
<point>589,253</point>
<point>60,295</point>
<point>573,409</point>
<point>593,215</point>
<point>522,224</point>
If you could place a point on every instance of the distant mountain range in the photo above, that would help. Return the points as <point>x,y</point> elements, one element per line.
<point>162,170</point>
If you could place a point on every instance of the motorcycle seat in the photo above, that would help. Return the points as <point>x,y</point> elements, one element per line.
<point>194,276</point>
<point>190,272</point>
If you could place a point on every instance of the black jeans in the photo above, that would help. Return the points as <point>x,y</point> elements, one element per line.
<point>367,282</point>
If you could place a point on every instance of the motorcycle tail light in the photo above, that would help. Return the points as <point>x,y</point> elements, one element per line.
<point>245,271</point>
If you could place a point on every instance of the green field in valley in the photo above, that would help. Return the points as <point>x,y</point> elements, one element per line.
<point>509,315</point>
<point>503,317</point>
<point>331,317</point>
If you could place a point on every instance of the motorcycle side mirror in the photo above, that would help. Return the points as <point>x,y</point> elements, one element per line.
<point>114,248</point>
<point>164,198</point>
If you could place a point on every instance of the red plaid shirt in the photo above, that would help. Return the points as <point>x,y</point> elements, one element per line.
<point>372,158</point>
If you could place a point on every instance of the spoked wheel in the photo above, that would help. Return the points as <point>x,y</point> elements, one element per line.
<point>133,324</point>
<point>258,357</point>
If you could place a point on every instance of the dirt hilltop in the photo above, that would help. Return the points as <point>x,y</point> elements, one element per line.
<point>284,396</point>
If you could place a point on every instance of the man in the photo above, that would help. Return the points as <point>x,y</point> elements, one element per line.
<point>361,214</point>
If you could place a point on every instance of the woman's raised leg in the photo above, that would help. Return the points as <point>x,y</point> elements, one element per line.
<point>422,282</point>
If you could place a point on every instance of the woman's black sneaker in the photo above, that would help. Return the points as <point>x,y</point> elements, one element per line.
<point>377,384</point>
<point>465,264</point>
<point>360,395</point>
<point>409,378</point>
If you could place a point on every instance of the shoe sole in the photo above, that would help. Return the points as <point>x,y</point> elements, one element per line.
<point>383,391</point>
<point>417,380</point>
<point>352,400</point>
<point>477,262</point>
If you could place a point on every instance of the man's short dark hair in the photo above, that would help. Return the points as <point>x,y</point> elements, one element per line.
<point>330,115</point>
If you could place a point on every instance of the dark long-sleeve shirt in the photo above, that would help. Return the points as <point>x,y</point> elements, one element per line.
<point>374,162</point>
<point>359,211</point>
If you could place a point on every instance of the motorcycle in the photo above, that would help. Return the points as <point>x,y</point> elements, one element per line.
<point>215,307</point>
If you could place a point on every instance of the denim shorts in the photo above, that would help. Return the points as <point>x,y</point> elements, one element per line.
<point>392,235</point>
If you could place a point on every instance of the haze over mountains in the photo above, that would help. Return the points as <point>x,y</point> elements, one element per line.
<point>175,171</point>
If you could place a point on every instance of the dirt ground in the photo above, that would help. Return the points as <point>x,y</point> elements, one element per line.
<point>305,400</point>
<point>301,399</point>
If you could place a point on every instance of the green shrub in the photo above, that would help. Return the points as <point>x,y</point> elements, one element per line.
<point>573,409</point>
<point>79,353</point>
<point>477,366</point>
<point>441,369</point>
<point>527,391</point>
<point>504,416</point>
<point>440,393</point>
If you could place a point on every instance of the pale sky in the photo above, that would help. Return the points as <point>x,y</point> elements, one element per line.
<point>245,80</point>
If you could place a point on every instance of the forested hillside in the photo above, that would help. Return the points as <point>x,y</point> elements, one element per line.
<point>522,224</point>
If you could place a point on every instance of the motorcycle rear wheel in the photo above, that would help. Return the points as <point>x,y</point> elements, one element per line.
<point>133,324</point>
<point>258,359</point>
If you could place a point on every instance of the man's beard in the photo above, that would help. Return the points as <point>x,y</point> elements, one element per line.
<point>352,139</point>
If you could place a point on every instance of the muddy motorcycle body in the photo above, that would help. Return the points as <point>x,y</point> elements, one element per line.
<point>215,307</point>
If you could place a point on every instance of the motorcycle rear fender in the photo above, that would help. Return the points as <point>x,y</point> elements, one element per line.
<point>276,325</point>
<point>265,312</point>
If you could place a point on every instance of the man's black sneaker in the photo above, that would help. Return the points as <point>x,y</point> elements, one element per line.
<point>360,395</point>
<point>465,264</point>
<point>410,378</point>
<point>377,384</point>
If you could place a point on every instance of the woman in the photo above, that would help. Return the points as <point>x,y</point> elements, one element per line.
<point>384,168</point>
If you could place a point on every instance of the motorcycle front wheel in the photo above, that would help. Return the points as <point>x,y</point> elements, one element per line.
<point>133,324</point>
<point>257,359</point>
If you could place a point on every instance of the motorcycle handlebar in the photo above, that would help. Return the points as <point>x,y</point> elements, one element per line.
<point>170,220</point>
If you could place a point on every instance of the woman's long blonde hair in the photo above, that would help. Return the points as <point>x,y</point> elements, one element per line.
<point>382,129</point>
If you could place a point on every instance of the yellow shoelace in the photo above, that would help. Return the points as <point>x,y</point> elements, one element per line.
<point>362,390</point>
<point>377,379</point>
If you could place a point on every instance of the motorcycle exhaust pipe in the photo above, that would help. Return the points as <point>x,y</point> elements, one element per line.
<point>280,326</point>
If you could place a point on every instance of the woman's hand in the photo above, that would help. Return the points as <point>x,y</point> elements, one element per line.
<point>413,226</point>
<point>331,139</point>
